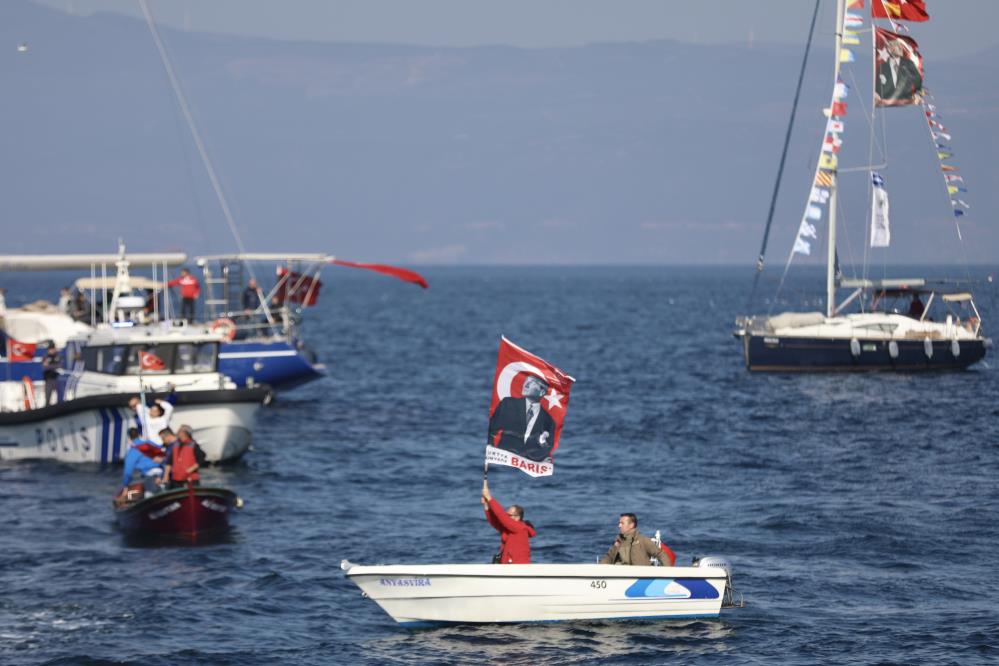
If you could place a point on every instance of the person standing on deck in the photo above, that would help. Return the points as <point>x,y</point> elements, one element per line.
<point>190,289</point>
<point>50,372</point>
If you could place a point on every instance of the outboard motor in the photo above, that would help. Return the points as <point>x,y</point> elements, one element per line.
<point>731,598</point>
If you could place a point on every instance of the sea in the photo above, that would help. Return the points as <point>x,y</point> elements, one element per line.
<point>860,512</point>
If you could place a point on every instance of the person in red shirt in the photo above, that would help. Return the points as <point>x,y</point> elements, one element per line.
<point>181,466</point>
<point>515,532</point>
<point>190,289</point>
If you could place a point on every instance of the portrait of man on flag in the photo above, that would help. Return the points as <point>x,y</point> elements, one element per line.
<point>528,407</point>
<point>898,69</point>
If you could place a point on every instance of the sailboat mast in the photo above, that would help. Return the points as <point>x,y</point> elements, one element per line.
<point>831,246</point>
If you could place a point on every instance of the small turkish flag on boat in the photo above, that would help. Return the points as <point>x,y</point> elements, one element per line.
<point>20,351</point>
<point>150,361</point>
<point>529,402</point>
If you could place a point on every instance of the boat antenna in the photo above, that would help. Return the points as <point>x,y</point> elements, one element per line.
<point>189,119</point>
<point>783,156</point>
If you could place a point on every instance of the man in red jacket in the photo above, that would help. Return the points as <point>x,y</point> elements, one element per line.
<point>190,289</point>
<point>515,532</point>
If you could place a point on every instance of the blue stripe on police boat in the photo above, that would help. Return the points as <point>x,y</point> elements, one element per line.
<point>116,442</point>
<point>105,422</point>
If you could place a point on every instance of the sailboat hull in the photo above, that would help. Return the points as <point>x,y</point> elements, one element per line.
<point>777,353</point>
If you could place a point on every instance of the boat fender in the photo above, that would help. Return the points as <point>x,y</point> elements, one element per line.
<point>955,348</point>
<point>855,347</point>
<point>225,327</point>
<point>29,392</point>
<point>928,347</point>
<point>893,349</point>
<point>239,502</point>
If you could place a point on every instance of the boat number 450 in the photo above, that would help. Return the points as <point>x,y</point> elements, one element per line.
<point>598,584</point>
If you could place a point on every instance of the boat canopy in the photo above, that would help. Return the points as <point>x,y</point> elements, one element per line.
<point>893,283</point>
<point>49,262</point>
<point>264,256</point>
<point>107,283</point>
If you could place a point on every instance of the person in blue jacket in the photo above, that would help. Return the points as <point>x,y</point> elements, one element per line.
<point>144,457</point>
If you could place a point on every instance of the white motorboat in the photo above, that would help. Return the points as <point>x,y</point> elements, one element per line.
<point>420,595</point>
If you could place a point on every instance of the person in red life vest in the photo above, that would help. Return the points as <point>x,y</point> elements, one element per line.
<point>181,467</point>
<point>515,532</point>
<point>190,289</point>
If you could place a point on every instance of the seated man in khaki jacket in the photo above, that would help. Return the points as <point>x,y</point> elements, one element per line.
<point>632,547</point>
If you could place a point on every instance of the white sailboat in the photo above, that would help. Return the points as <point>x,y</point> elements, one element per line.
<point>893,324</point>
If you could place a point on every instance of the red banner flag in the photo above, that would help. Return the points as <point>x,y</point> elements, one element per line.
<point>900,10</point>
<point>898,69</point>
<point>403,274</point>
<point>20,351</point>
<point>530,398</point>
<point>297,288</point>
<point>838,109</point>
<point>150,361</point>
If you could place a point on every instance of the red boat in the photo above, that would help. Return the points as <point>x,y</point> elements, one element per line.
<point>193,513</point>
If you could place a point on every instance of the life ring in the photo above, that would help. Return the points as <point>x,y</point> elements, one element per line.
<point>225,327</point>
<point>28,387</point>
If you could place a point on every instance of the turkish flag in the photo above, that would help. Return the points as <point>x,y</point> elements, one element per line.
<point>898,70</point>
<point>529,401</point>
<point>297,288</point>
<point>150,361</point>
<point>900,10</point>
<point>20,351</point>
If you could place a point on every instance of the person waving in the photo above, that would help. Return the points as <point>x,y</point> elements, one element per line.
<point>515,532</point>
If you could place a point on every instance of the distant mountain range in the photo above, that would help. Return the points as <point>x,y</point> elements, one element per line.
<point>655,152</point>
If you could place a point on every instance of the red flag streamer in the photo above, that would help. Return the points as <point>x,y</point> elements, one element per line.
<point>529,403</point>
<point>403,274</point>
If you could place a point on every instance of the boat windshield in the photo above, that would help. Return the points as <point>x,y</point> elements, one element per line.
<point>156,359</point>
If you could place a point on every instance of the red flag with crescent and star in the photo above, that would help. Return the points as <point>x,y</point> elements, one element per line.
<point>529,400</point>
<point>20,351</point>
<point>150,361</point>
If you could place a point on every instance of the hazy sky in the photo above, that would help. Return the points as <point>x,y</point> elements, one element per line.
<point>958,27</point>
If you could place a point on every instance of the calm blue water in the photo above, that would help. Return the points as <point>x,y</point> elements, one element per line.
<point>860,512</point>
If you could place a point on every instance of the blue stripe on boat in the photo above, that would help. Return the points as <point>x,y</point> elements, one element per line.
<point>105,422</point>
<point>116,442</point>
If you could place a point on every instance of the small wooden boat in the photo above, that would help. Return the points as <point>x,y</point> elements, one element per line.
<point>435,594</point>
<point>190,514</point>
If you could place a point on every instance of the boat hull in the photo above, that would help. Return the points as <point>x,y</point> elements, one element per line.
<point>189,514</point>
<point>782,353</point>
<point>279,363</point>
<point>94,429</point>
<point>428,595</point>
